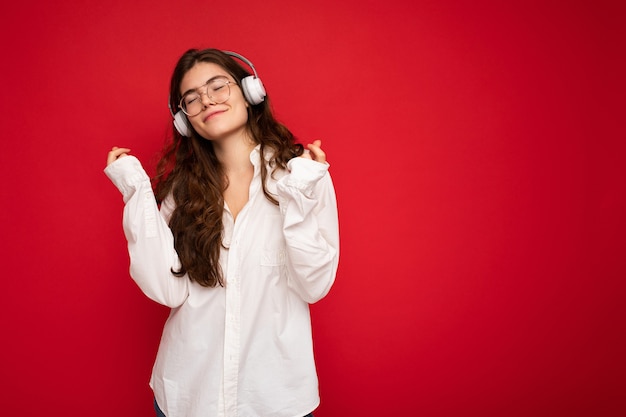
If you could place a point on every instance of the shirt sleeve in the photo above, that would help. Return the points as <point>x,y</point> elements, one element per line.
<point>150,240</point>
<point>310,225</point>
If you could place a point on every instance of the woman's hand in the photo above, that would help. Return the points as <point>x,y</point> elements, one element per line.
<point>315,152</point>
<point>116,153</point>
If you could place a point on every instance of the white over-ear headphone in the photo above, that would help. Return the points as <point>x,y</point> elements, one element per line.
<point>252,88</point>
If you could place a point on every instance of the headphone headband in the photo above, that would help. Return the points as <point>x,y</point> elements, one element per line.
<point>243,59</point>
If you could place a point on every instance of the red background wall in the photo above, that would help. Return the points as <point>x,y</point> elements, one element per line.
<point>478,153</point>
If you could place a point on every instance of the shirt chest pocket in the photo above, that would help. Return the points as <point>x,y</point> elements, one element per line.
<point>271,257</point>
<point>273,251</point>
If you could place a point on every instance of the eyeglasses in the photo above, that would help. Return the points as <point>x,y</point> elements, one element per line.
<point>217,91</point>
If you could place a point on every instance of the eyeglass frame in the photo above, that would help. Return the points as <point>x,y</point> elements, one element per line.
<point>206,93</point>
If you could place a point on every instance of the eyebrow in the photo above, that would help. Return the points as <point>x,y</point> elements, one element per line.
<point>208,81</point>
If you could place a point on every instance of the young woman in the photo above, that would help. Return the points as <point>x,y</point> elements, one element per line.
<point>245,238</point>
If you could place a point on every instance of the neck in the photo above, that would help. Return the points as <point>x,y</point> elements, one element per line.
<point>234,154</point>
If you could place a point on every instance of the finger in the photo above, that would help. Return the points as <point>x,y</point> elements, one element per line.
<point>116,153</point>
<point>119,151</point>
<point>316,151</point>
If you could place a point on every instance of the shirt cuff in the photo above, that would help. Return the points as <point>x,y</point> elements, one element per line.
<point>305,173</point>
<point>126,174</point>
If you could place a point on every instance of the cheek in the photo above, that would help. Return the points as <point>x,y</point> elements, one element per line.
<point>243,113</point>
<point>240,112</point>
<point>195,122</point>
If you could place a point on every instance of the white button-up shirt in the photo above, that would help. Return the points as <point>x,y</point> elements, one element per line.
<point>244,349</point>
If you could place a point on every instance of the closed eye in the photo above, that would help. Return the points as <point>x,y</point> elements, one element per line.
<point>191,99</point>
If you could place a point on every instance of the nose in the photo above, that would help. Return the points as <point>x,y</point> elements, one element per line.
<point>206,98</point>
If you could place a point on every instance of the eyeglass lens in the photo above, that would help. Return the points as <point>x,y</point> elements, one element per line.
<point>218,91</point>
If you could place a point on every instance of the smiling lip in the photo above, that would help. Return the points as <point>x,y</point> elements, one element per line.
<point>215,113</point>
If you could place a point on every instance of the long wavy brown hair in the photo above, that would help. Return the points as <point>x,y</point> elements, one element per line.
<point>190,172</point>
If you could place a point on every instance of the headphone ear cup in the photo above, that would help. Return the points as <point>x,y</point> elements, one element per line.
<point>253,89</point>
<point>181,124</point>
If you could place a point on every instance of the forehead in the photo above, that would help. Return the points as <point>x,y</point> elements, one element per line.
<point>199,74</point>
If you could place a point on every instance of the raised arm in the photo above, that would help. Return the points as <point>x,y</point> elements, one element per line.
<point>310,224</point>
<point>150,241</point>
